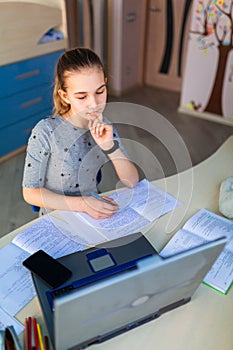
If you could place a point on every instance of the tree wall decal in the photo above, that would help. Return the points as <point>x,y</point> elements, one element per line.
<point>213,28</point>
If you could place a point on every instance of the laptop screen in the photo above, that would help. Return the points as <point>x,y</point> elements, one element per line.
<point>122,302</point>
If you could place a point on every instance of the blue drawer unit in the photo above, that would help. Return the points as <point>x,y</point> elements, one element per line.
<point>23,105</point>
<point>25,98</point>
<point>24,75</point>
<point>16,135</point>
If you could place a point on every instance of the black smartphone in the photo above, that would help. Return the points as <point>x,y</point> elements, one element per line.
<point>51,271</point>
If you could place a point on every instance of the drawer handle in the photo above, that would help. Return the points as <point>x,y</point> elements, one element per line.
<point>28,74</point>
<point>31,103</point>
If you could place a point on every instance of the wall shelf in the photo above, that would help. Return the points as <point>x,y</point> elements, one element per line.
<point>27,69</point>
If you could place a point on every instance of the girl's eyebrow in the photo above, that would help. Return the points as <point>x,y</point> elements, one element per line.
<point>101,86</point>
<point>84,92</point>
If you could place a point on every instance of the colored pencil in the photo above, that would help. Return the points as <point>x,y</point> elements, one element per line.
<point>40,337</point>
<point>46,339</point>
<point>29,323</point>
<point>36,337</point>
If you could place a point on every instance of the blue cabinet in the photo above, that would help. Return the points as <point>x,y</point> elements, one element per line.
<point>25,98</point>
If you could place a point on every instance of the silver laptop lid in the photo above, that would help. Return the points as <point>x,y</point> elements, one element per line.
<point>109,307</point>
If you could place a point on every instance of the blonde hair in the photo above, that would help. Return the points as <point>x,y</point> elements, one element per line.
<point>72,61</point>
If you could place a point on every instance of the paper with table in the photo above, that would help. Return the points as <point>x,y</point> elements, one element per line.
<point>206,226</point>
<point>139,207</point>
<point>7,320</point>
<point>59,236</point>
<point>49,234</point>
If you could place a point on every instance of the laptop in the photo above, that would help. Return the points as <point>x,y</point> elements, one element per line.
<point>103,308</point>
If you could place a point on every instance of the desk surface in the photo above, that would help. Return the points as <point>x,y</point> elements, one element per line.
<point>204,323</point>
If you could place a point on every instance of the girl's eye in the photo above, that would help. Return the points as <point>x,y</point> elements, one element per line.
<point>100,92</point>
<point>81,98</point>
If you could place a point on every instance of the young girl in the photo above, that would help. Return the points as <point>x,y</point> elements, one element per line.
<point>67,150</point>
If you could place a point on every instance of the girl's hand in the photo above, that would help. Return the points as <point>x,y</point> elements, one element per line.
<point>99,209</point>
<point>102,133</point>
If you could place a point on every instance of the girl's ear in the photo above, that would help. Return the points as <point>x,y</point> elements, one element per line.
<point>63,96</point>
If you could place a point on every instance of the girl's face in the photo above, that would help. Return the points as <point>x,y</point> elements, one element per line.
<point>86,93</point>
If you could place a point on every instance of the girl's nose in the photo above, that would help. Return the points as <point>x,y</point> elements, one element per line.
<point>92,102</point>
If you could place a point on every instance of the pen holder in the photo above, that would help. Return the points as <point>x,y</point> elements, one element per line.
<point>9,339</point>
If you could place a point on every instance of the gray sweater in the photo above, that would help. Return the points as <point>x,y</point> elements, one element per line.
<point>63,158</point>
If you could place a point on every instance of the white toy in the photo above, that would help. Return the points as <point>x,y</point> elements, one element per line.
<point>226,197</point>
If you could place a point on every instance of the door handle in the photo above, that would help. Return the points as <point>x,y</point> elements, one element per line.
<point>154,9</point>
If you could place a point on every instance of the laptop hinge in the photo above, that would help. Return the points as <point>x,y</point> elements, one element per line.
<point>129,326</point>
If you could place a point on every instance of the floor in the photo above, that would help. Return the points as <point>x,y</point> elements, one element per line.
<point>171,140</point>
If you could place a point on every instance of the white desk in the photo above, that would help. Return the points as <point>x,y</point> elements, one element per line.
<point>205,323</point>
